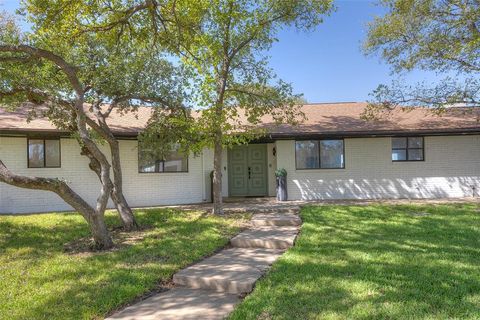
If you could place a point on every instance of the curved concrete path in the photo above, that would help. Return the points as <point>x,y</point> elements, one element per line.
<point>211,288</point>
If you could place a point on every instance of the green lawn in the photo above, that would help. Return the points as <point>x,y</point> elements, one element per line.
<point>39,280</point>
<point>376,262</point>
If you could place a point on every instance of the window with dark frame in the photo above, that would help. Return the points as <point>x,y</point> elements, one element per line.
<point>43,153</point>
<point>320,154</point>
<point>407,149</point>
<point>150,162</point>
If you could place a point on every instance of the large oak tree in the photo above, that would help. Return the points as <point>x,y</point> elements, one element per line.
<point>222,45</point>
<point>77,84</point>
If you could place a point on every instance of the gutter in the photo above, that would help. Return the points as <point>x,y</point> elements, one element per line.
<point>365,134</point>
<point>273,136</point>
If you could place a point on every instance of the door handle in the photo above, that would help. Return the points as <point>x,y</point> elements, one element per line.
<point>249,173</point>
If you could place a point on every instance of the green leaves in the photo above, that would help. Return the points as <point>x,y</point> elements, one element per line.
<point>281,172</point>
<point>171,129</point>
<point>230,80</point>
<point>203,54</point>
<point>428,34</point>
<point>9,31</point>
<point>221,45</point>
<point>440,36</point>
<point>110,69</point>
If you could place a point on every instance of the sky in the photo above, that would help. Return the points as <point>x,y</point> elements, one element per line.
<point>327,64</point>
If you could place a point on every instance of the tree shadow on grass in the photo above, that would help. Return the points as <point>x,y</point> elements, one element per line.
<point>62,286</point>
<point>375,262</point>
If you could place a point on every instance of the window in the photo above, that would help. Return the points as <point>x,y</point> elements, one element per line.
<point>319,154</point>
<point>150,161</point>
<point>307,154</point>
<point>407,149</point>
<point>43,153</point>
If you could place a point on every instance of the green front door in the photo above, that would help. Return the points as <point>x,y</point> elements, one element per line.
<point>247,172</point>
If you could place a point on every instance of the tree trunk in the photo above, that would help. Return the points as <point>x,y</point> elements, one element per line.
<point>124,210</point>
<point>95,219</point>
<point>98,228</point>
<point>217,176</point>
<point>218,139</point>
<point>94,216</point>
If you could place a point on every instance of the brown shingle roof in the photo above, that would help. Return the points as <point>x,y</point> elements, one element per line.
<point>128,123</point>
<point>322,119</point>
<point>345,118</point>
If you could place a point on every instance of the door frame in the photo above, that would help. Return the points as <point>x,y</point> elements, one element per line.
<point>230,180</point>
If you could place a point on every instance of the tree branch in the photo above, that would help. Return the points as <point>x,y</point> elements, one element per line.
<point>47,184</point>
<point>69,70</point>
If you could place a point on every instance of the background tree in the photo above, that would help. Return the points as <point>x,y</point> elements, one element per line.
<point>434,35</point>
<point>61,76</point>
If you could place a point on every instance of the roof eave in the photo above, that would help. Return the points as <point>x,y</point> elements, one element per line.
<point>375,133</point>
<point>276,135</point>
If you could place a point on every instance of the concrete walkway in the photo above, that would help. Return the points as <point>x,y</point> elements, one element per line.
<point>211,288</point>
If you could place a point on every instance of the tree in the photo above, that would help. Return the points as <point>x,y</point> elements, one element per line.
<point>231,80</point>
<point>229,75</point>
<point>61,76</point>
<point>435,35</point>
<point>221,44</point>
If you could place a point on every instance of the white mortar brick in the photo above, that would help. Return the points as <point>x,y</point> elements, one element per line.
<point>451,168</point>
<point>141,189</point>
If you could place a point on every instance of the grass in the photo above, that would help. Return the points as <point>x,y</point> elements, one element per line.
<point>375,262</point>
<point>39,280</point>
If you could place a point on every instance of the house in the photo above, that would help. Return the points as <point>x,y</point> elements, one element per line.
<point>334,154</point>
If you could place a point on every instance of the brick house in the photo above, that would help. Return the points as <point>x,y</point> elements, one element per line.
<point>334,154</point>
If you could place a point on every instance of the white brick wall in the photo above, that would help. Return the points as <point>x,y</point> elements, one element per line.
<point>208,168</point>
<point>141,189</point>
<point>451,168</point>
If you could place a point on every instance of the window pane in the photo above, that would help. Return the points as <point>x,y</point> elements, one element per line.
<point>307,154</point>
<point>35,154</point>
<point>399,155</point>
<point>331,153</point>
<point>399,143</point>
<point>151,161</point>
<point>175,162</point>
<point>415,154</point>
<point>52,153</point>
<point>146,161</point>
<point>415,142</point>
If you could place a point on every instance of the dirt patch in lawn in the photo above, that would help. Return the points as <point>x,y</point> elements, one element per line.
<point>121,238</point>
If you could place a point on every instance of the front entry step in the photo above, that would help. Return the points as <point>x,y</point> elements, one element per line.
<point>232,270</point>
<point>283,220</point>
<point>266,237</point>
<point>276,210</point>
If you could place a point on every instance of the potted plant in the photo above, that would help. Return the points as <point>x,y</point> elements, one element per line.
<point>281,175</point>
